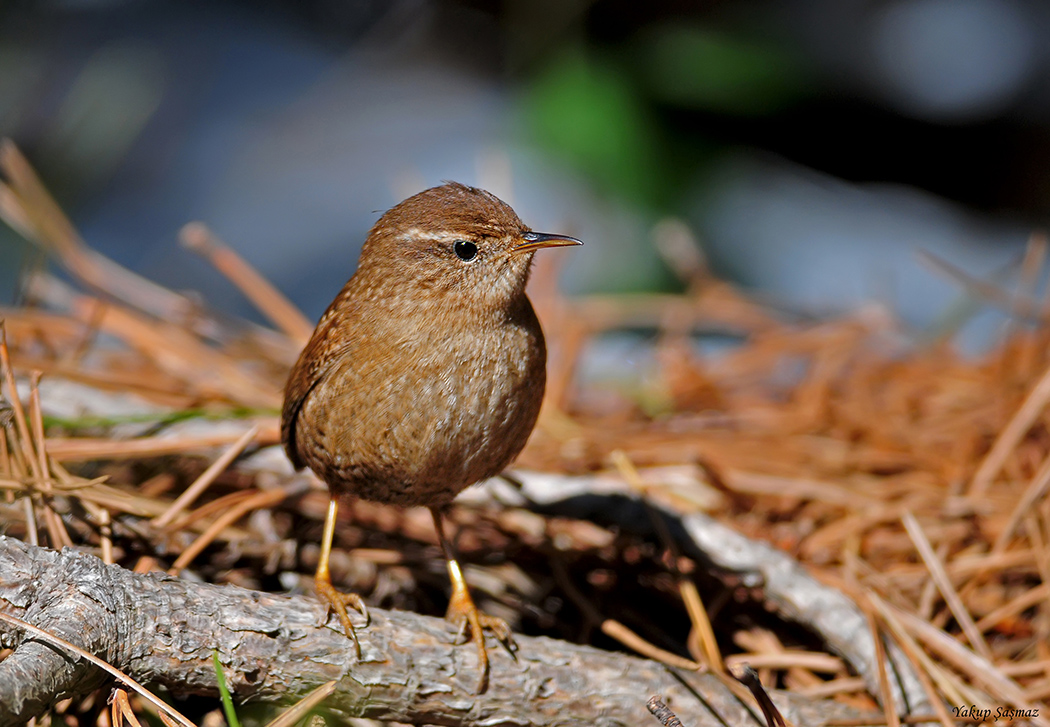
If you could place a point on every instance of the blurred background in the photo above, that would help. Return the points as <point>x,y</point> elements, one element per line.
<point>812,147</point>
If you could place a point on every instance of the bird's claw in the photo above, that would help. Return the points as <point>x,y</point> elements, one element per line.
<point>464,615</point>
<point>333,600</point>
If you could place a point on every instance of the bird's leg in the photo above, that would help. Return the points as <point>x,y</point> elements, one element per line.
<point>464,615</point>
<point>326,593</point>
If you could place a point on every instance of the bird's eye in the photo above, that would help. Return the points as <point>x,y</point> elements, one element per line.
<point>465,250</point>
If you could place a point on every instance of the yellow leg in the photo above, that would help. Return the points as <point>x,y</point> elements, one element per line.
<point>462,612</point>
<point>326,593</point>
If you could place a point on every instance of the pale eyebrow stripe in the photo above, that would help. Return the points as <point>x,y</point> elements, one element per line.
<point>420,234</point>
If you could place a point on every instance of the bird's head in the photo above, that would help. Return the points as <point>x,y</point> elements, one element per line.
<point>453,241</point>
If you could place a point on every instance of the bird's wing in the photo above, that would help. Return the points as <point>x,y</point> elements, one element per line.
<point>319,355</point>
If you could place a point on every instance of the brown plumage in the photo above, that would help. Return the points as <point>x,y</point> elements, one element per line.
<point>426,373</point>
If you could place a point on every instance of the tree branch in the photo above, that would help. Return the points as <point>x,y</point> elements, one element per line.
<point>162,630</point>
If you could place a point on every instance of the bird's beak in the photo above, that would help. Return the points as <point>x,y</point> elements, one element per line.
<point>531,241</point>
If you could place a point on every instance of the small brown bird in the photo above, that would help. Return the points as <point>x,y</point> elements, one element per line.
<point>425,375</point>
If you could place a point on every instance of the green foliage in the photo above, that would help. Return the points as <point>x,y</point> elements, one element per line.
<point>702,69</point>
<point>588,112</point>
<point>88,422</point>
<point>603,113</point>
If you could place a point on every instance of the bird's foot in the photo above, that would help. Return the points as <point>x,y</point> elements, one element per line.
<point>334,600</point>
<point>464,616</point>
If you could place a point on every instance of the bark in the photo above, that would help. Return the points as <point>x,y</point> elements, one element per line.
<point>162,630</point>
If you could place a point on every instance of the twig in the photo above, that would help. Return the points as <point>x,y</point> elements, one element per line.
<point>616,630</point>
<point>749,678</point>
<point>787,659</point>
<point>20,415</point>
<point>973,665</point>
<point>206,478</point>
<point>271,302</point>
<point>944,585</point>
<point>1031,597</point>
<point>660,710</point>
<point>297,711</point>
<point>888,706</point>
<point>686,588</point>
<point>1011,435</point>
<point>918,660</point>
<point>1015,304</point>
<point>180,353</point>
<point>31,209</point>
<point>1036,490</point>
<point>56,530</point>
<point>260,500</point>
<point>120,709</point>
<point>841,685</point>
<point>84,448</point>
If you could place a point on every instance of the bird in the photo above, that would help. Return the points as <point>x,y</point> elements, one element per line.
<point>424,376</point>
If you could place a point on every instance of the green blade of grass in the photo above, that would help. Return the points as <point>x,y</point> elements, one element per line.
<point>227,700</point>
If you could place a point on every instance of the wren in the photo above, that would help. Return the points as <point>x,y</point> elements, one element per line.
<point>425,375</point>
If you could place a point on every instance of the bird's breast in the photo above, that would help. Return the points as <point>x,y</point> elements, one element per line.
<point>416,414</point>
